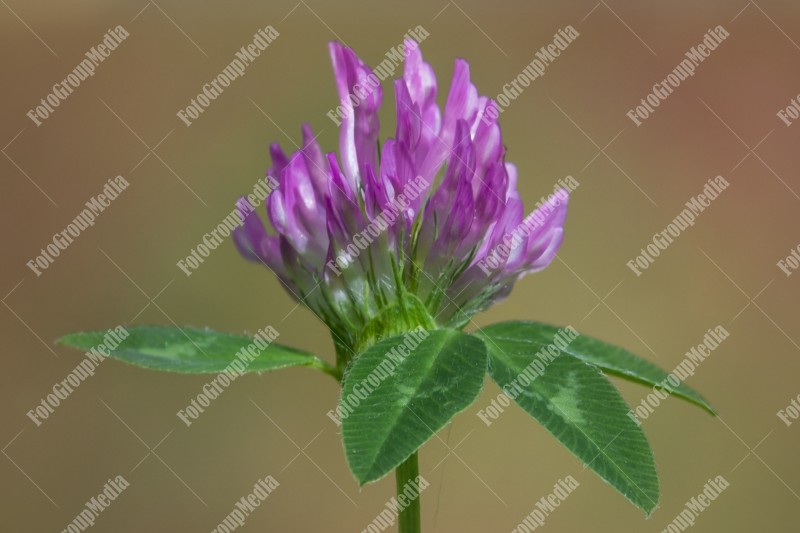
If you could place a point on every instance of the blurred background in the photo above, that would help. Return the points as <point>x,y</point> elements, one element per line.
<point>572,121</point>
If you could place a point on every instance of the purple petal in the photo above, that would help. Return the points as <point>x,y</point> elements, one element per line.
<point>376,195</point>
<point>487,140</point>
<point>317,164</point>
<point>419,77</point>
<point>451,209</point>
<point>408,118</point>
<point>359,128</point>
<point>253,241</point>
<point>462,104</point>
<point>511,191</point>
<point>544,242</point>
<point>420,81</point>
<point>279,160</point>
<point>342,206</point>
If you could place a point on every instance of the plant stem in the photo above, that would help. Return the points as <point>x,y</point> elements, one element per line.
<point>406,474</point>
<point>329,369</point>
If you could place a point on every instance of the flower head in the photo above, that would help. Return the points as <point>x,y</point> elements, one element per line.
<point>429,228</point>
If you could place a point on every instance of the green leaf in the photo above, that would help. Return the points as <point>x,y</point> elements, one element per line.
<point>581,408</point>
<point>191,350</point>
<point>611,359</point>
<point>392,404</point>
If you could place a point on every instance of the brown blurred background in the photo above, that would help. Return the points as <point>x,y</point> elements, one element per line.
<point>572,121</point>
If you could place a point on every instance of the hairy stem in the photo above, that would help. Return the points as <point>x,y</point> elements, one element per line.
<point>406,475</point>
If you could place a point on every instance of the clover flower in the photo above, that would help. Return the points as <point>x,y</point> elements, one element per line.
<point>395,247</point>
<point>430,221</point>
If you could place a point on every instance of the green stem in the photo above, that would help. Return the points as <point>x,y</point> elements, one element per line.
<point>407,474</point>
<point>331,370</point>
